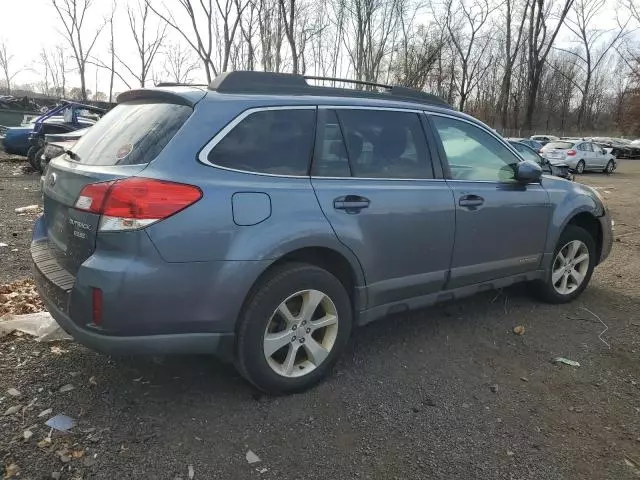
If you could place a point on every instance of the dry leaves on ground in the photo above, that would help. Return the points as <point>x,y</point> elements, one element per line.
<point>20,297</point>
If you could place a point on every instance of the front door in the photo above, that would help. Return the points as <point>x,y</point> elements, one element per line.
<point>374,179</point>
<point>501,224</point>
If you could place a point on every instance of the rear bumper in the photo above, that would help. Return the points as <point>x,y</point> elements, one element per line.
<point>219,344</point>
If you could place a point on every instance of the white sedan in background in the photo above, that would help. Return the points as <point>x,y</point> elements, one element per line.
<point>580,155</point>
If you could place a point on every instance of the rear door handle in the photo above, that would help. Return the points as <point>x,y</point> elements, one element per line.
<point>351,203</point>
<point>471,201</point>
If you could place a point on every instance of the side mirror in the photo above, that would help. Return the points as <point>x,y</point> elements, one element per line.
<point>528,172</point>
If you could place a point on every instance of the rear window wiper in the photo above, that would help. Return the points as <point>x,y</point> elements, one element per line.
<point>72,155</point>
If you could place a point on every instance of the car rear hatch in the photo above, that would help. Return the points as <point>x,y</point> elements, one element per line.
<point>118,147</point>
<point>557,150</point>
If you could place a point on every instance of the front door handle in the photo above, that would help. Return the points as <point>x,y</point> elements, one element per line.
<point>471,201</point>
<point>351,203</point>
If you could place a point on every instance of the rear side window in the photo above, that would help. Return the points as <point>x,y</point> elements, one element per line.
<point>278,142</point>
<point>385,144</point>
<point>133,133</point>
<point>560,145</point>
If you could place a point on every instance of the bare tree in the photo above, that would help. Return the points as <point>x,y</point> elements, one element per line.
<point>112,50</point>
<point>465,24</point>
<point>8,72</point>
<point>147,41</point>
<point>179,64</point>
<point>271,32</point>
<point>586,13</point>
<point>540,40</point>
<point>72,15</point>
<point>511,48</point>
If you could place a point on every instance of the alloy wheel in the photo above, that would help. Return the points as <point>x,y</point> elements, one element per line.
<point>570,267</point>
<point>580,167</point>
<point>301,333</point>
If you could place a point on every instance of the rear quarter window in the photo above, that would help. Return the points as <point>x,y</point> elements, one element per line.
<point>277,142</point>
<point>132,133</point>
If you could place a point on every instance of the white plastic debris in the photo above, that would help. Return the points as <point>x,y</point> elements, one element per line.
<point>61,423</point>
<point>252,457</point>
<point>28,208</point>
<point>2,245</point>
<point>192,472</point>
<point>41,325</point>
<point>566,361</point>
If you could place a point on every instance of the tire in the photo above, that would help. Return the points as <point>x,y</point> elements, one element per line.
<point>31,157</point>
<point>38,161</point>
<point>580,167</point>
<point>546,290</point>
<point>293,285</point>
<point>610,167</point>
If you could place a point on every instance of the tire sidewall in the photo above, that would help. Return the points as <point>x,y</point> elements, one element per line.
<point>270,293</point>
<point>580,167</point>
<point>571,232</point>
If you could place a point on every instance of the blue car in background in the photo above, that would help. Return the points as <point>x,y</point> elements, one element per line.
<point>66,117</point>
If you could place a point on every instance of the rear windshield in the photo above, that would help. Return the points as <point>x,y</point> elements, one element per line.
<point>561,145</point>
<point>133,133</point>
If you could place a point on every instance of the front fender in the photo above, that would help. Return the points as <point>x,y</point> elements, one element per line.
<point>568,199</point>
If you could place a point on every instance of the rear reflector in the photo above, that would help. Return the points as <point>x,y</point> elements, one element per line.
<point>96,295</point>
<point>134,202</point>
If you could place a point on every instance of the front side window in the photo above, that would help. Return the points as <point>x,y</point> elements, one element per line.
<point>278,142</point>
<point>474,154</point>
<point>385,144</point>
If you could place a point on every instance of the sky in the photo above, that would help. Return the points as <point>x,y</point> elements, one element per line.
<point>29,25</point>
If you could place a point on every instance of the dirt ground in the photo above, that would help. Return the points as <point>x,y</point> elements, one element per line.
<point>447,393</point>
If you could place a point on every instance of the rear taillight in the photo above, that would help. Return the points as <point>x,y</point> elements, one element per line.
<point>135,202</point>
<point>571,152</point>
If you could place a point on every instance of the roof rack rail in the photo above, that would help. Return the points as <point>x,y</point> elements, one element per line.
<point>286,83</point>
<point>177,84</point>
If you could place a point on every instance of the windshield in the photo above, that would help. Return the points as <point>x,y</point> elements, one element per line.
<point>560,145</point>
<point>133,133</point>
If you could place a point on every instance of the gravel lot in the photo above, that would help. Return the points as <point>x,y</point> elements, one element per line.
<point>449,392</point>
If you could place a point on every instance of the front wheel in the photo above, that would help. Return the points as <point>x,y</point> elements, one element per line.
<point>580,167</point>
<point>293,328</point>
<point>573,262</point>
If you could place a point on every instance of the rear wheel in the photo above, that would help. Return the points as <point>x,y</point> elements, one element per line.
<point>573,262</point>
<point>580,167</point>
<point>293,328</point>
<point>610,167</point>
<point>31,156</point>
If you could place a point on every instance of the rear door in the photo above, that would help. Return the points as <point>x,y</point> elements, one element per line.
<point>120,145</point>
<point>376,184</point>
<point>501,224</point>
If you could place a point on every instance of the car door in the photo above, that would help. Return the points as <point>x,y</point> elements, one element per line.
<point>588,154</point>
<point>599,156</point>
<point>376,184</point>
<point>501,224</point>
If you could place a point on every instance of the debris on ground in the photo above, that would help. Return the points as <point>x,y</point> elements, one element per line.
<point>11,470</point>
<point>66,388</point>
<point>28,208</point>
<point>566,361</point>
<point>12,410</point>
<point>192,472</point>
<point>494,388</point>
<point>46,412</point>
<point>606,327</point>
<point>519,330</point>
<point>252,457</point>
<point>13,392</point>
<point>61,423</point>
<point>40,325</point>
<point>27,434</point>
<point>524,379</point>
<point>20,297</point>
<point>2,245</point>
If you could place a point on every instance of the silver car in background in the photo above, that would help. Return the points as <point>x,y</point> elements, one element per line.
<point>580,155</point>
